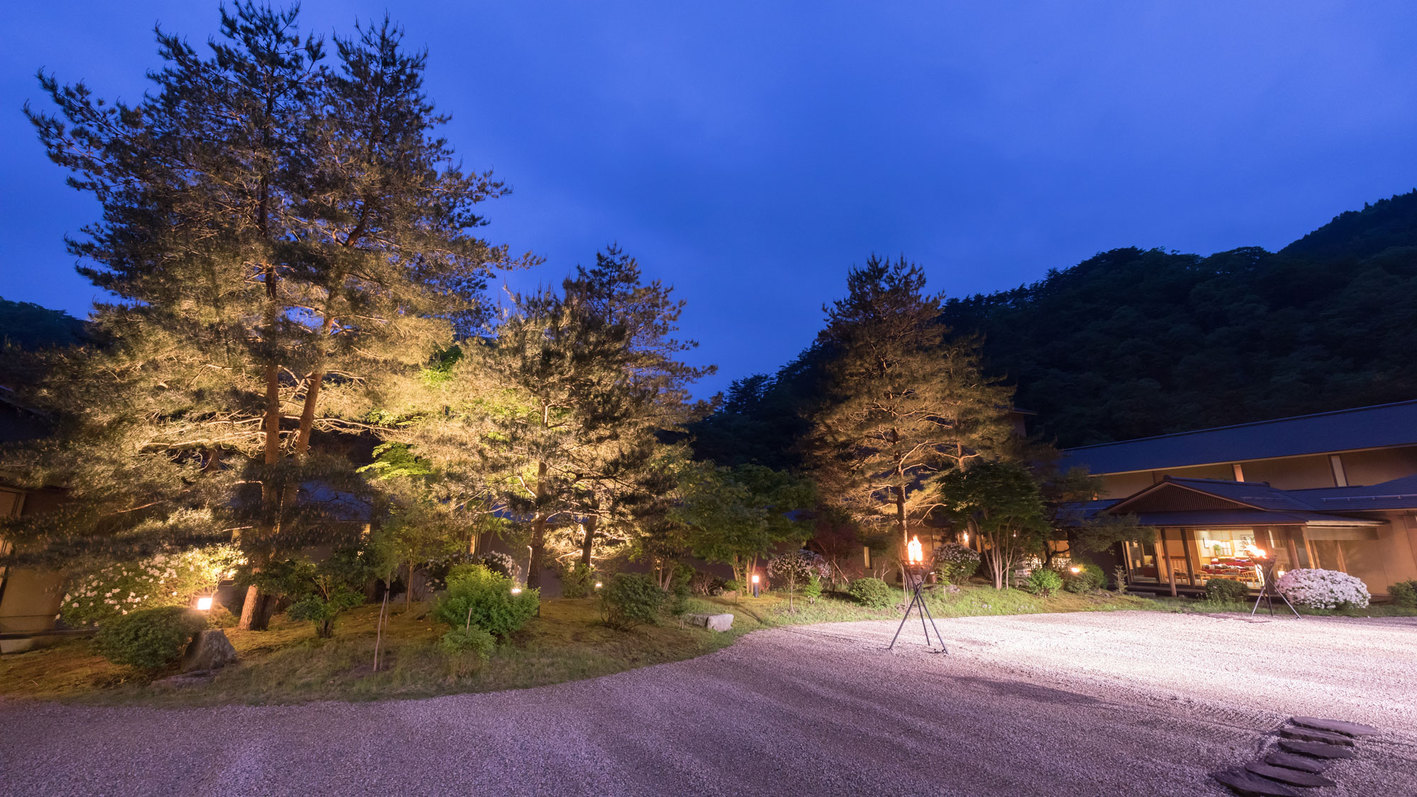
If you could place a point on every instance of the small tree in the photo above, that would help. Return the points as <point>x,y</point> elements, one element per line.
<point>797,567</point>
<point>735,515</point>
<point>1000,503</point>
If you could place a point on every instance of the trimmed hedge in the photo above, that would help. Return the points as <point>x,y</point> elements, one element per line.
<point>150,639</point>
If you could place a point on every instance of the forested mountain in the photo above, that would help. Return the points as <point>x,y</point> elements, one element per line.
<point>1140,342</point>
<point>1136,342</point>
<point>30,326</point>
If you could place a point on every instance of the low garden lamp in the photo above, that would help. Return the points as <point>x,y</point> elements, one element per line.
<point>915,571</point>
<point>204,603</point>
<point>756,580</point>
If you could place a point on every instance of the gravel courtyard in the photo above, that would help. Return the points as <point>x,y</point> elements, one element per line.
<point>1130,703</point>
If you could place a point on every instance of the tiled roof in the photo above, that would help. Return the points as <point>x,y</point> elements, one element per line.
<point>1380,426</point>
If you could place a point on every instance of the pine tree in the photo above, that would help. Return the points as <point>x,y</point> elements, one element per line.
<point>282,235</point>
<point>596,380</point>
<point>904,402</point>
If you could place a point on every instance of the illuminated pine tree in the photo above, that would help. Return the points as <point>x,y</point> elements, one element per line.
<point>282,234</point>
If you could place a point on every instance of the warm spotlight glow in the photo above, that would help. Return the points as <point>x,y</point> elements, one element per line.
<point>204,603</point>
<point>598,585</point>
<point>1075,570</point>
<point>1255,551</point>
<point>914,552</point>
<point>756,578</point>
<point>516,590</point>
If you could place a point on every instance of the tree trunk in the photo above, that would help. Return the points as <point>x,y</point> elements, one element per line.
<point>255,612</point>
<point>408,589</point>
<point>538,531</point>
<point>588,544</point>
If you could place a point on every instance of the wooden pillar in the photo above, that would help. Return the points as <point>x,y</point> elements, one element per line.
<point>1163,561</point>
<point>1188,548</point>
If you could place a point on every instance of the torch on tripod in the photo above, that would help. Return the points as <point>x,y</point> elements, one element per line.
<point>1264,571</point>
<point>915,576</point>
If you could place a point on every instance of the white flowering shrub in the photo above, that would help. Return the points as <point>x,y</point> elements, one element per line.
<point>1322,589</point>
<point>167,578</point>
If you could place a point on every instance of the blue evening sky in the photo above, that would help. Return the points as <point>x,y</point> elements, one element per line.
<point>749,153</point>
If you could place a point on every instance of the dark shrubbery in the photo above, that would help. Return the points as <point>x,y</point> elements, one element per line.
<point>872,592</point>
<point>318,592</point>
<point>681,586</point>
<point>1404,593</point>
<point>1044,581</point>
<point>631,599</point>
<point>478,597</point>
<point>577,581</point>
<point>1223,590</point>
<point>955,563</point>
<point>150,639</point>
<point>1089,578</point>
<point>812,590</point>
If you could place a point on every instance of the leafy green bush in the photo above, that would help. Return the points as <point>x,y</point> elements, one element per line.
<point>149,639</point>
<point>872,592</point>
<point>630,599</point>
<point>469,640</point>
<point>577,581</point>
<point>681,586</point>
<point>733,585</point>
<point>478,597</point>
<point>1404,593</point>
<point>167,578</point>
<point>1044,581</point>
<point>955,563</point>
<point>1223,590</point>
<point>319,592</point>
<point>1089,578</point>
<point>813,588</point>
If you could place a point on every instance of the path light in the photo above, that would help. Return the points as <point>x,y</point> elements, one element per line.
<point>756,580</point>
<point>598,585</point>
<point>516,590</point>
<point>1075,569</point>
<point>204,603</point>
<point>915,569</point>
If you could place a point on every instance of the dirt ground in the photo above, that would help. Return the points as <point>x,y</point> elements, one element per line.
<point>1121,703</point>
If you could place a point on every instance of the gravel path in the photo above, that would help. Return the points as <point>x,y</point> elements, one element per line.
<point>1131,703</point>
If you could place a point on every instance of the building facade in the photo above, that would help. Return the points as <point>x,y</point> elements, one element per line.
<point>1335,490</point>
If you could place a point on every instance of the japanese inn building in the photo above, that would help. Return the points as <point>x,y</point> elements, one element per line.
<point>1334,490</point>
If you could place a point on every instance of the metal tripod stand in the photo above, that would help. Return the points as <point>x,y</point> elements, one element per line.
<point>1265,570</point>
<point>918,599</point>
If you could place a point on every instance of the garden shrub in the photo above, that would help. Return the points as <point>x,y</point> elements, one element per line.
<point>1404,593</point>
<point>149,639</point>
<point>167,578</point>
<point>477,597</point>
<point>733,585</point>
<point>1119,575</point>
<point>1044,581</point>
<point>469,640</point>
<point>794,568</point>
<point>499,563</point>
<point>1323,589</point>
<point>577,581</point>
<point>319,592</point>
<point>680,588</point>
<point>872,592</point>
<point>631,599</point>
<point>812,590</point>
<point>955,563</point>
<point>1223,590</point>
<point>1089,578</point>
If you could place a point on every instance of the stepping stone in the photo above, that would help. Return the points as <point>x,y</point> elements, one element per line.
<point>1310,735</point>
<point>1247,783</point>
<point>1316,749</point>
<point>1292,776</point>
<point>1335,726</point>
<point>1299,762</point>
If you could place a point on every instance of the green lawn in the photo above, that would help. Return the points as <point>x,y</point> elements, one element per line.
<point>568,641</point>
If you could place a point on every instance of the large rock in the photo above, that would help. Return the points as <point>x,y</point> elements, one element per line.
<point>1311,735</point>
<point>209,650</point>
<point>713,622</point>
<point>1246,783</point>
<point>1280,758</point>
